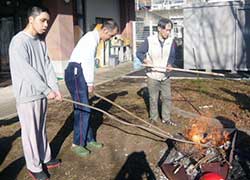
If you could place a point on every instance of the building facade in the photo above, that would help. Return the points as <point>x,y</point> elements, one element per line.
<point>213,34</point>
<point>70,19</point>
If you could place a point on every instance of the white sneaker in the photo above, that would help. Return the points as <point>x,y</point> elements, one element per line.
<point>171,123</point>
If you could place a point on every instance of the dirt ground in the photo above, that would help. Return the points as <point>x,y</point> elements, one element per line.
<point>131,153</point>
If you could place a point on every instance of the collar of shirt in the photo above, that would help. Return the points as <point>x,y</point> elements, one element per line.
<point>29,35</point>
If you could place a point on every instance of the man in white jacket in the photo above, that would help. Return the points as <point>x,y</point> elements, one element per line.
<point>158,50</point>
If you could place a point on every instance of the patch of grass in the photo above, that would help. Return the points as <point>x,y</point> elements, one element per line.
<point>201,85</point>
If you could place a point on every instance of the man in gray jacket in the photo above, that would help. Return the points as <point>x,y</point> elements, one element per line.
<point>34,82</point>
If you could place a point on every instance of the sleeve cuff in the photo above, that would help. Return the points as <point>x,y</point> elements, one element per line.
<point>55,87</point>
<point>90,84</point>
<point>47,91</point>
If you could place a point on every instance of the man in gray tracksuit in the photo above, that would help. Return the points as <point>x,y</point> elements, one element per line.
<point>158,51</point>
<point>34,82</point>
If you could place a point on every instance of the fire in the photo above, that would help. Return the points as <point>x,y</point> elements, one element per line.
<point>205,130</point>
<point>196,138</point>
<point>196,132</point>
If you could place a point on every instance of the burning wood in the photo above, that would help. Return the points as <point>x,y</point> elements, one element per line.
<point>205,131</point>
<point>213,144</point>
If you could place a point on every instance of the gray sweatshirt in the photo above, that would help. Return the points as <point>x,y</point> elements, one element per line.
<point>32,72</point>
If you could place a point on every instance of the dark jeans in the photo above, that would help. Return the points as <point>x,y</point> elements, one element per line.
<point>78,89</point>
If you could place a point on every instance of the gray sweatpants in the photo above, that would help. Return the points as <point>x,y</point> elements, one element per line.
<point>156,87</point>
<point>32,116</point>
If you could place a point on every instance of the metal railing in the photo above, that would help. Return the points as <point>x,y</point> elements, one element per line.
<point>158,4</point>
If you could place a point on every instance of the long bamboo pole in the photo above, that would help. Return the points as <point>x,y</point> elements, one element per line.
<point>164,69</point>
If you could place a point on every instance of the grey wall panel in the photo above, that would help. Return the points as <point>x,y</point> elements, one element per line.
<point>217,40</point>
<point>210,37</point>
<point>191,38</point>
<point>243,39</point>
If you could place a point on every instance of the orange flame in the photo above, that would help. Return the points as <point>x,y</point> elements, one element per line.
<point>204,130</point>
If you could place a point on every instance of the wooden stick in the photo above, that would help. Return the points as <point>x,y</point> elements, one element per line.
<point>202,160</point>
<point>130,113</point>
<point>134,125</point>
<point>115,118</point>
<point>162,69</point>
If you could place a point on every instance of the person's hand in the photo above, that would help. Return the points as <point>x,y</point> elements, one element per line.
<point>58,96</point>
<point>91,89</point>
<point>169,66</point>
<point>147,61</point>
<point>51,95</point>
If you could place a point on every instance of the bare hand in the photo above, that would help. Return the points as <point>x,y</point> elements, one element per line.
<point>58,96</point>
<point>51,95</point>
<point>91,89</point>
<point>147,62</point>
<point>169,66</point>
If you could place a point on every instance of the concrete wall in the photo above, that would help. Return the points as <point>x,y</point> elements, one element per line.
<point>101,8</point>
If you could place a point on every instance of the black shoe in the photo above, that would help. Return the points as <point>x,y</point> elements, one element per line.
<point>53,163</point>
<point>169,122</point>
<point>39,175</point>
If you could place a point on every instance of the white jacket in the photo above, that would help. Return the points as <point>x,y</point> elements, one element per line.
<point>159,56</point>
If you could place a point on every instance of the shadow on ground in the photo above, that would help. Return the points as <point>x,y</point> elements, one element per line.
<point>96,121</point>
<point>243,100</point>
<point>7,122</point>
<point>241,161</point>
<point>96,116</point>
<point>143,92</point>
<point>61,135</point>
<point>11,171</point>
<point>6,144</point>
<point>136,167</point>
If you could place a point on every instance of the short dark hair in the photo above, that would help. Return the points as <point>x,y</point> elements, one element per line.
<point>110,25</point>
<point>37,10</point>
<point>163,22</point>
